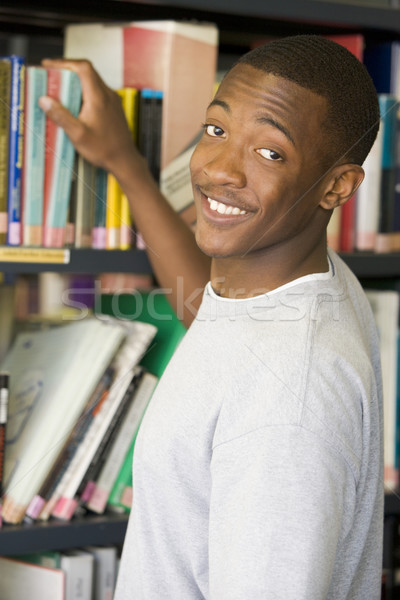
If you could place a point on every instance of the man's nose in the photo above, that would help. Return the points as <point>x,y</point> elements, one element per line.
<point>226,165</point>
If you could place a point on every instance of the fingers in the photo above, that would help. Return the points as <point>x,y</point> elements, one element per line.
<point>62,117</point>
<point>89,77</point>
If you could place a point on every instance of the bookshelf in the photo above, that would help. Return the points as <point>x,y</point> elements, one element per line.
<point>239,23</point>
<point>76,261</point>
<point>56,535</point>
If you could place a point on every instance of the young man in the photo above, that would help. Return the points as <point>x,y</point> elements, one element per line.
<point>258,468</point>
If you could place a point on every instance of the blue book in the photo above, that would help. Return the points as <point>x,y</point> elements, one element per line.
<point>15,149</point>
<point>60,186</point>
<point>388,106</point>
<point>34,153</point>
<point>382,61</point>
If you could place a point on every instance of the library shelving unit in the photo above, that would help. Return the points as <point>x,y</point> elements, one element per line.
<point>38,26</point>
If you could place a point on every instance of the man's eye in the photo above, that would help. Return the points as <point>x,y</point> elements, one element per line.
<point>269,154</point>
<point>213,130</point>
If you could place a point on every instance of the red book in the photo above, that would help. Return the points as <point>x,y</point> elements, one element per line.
<point>347,225</point>
<point>53,90</point>
<point>176,58</point>
<point>355,44</point>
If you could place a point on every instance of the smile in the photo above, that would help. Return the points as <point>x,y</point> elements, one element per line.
<point>225,209</point>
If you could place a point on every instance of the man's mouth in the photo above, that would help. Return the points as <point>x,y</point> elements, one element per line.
<point>225,209</point>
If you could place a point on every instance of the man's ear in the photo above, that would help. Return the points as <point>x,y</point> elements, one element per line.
<point>342,184</point>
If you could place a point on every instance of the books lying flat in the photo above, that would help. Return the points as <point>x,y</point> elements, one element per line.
<point>52,374</point>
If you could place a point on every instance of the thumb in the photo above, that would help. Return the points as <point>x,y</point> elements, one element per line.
<point>61,116</point>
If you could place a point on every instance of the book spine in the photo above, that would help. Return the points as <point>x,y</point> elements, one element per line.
<point>16,138</point>
<point>64,500</point>
<point>67,453</point>
<point>396,241</point>
<point>67,505</point>
<point>88,483</point>
<point>5,94</point>
<point>120,447</point>
<point>85,199</point>
<point>64,160</point>
<point>368,198</point>
<point>130,103</point>
<point>99,239</point>
<point>53,90</point>
<point>347,225</point>
<point>113,213</point>
<point>117,498</point>
<point>388,109</point>
<point>34,152</point>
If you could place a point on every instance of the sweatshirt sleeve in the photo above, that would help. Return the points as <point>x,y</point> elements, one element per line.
<point>281,504</point>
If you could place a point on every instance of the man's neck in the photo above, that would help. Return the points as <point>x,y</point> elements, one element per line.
<point>259,273</point>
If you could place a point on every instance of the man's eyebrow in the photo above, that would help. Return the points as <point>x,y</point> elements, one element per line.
<point>263,119</point>
<point>220,103</point>
<point>269,121</point>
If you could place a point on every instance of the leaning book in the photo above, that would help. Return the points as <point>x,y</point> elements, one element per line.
<point>52,374</point>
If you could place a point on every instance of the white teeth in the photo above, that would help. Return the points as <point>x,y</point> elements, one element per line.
<point>224,209</point>
<point>213,204</point>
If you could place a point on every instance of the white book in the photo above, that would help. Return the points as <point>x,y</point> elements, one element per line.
<point>138,338</point>
<point>78,567</point>
<point>369,197</point>
<point>20,580</point>
<point>122,443</point>
<point>105,571</point>
<point>123,55</point>
<point>52,374</point>
<point>385,306</point>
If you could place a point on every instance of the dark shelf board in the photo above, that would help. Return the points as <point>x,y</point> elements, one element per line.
<point>107,529</point>
<point>366,265</point>
<point>392,503</point>
<point>257,16</point>
<point>370,265</point>
<point>85,261</point>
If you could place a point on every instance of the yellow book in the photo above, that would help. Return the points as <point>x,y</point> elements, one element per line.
<point>129,98</point>
<point>113,213</point>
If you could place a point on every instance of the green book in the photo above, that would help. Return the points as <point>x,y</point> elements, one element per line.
<point>153,308</point>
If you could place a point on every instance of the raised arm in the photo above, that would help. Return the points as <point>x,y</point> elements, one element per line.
<point>100,134</point>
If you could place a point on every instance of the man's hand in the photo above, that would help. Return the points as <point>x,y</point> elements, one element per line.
<point>100,133</point>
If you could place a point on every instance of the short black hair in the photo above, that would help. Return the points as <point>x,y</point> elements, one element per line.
<point>330,70</point>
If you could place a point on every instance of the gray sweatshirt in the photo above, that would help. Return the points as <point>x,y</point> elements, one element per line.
<point>258,470</point>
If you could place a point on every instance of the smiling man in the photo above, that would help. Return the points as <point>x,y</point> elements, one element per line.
<point>258,467</point>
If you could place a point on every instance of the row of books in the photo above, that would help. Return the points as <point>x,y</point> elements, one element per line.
<point>164,72</point>
<point>370,221</point>
<point>49,195</point>
<point>87,573</point>
<point>385,305</point>
<point>73,387</point>
<point>80,382</point>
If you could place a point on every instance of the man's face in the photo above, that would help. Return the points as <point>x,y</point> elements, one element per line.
<point>257,171</point>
